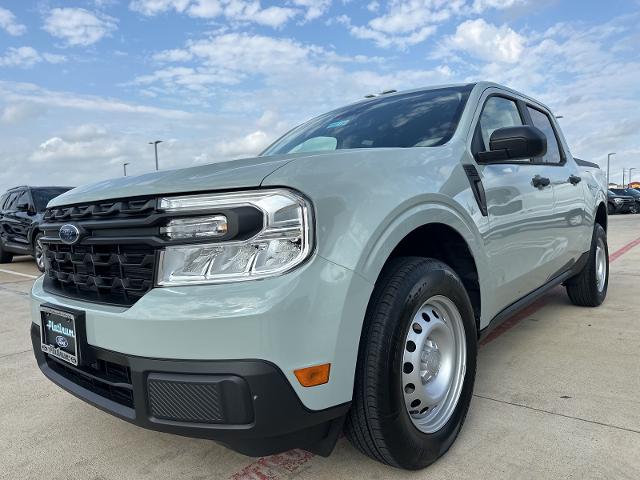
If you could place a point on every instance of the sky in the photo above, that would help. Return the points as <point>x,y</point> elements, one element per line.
<point>85,85</point>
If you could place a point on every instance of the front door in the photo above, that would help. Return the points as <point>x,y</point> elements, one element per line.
<point>520,204</point>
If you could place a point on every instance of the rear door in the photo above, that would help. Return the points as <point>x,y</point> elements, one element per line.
<point>519,242</point>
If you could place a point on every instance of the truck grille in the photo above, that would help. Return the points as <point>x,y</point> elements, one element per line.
<point>117,274</point>
<point>114,260</point>
<point>101,210</point>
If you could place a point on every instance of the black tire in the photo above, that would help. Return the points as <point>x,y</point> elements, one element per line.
<point>583,288</point>
<point>378,423</point>
<point>5,257</point>
<point>610,209</point>
<point>40,265</point>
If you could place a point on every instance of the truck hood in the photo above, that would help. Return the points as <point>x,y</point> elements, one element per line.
<point>244,173</point>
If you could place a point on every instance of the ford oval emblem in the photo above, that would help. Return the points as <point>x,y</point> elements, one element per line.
<point>62,342</point>
<point>69,234</point>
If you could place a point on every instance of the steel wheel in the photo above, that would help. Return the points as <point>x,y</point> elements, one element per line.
<point>434,364</point>
<point>601,264</point>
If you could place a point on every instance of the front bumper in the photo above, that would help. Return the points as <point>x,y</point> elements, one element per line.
<point>246,405</point>
<point>310,316</point>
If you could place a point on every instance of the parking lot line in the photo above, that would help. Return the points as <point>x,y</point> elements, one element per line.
<point>3,270</point>
<point>621,251</point>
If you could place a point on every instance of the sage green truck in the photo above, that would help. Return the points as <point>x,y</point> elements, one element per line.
<point>340,281</point>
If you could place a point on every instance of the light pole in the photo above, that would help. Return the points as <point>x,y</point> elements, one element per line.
<point>155,147</point>
<point>630,169</point>
<point>608,162</point>
<point>124,166</point>
<point>623,170</point>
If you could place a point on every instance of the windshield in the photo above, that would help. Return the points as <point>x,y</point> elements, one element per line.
<point>426,118</point>
<point>41,196</point>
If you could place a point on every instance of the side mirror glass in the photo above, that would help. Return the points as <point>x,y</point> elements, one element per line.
<point>514,143</point>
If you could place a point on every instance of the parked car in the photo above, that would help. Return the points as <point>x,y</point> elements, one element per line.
<point>629,192</point>
<point>343,278</point>
<point>617,203</point>
<point>21,210</point>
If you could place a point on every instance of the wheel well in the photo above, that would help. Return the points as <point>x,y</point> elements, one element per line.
<point>601,216</point>
<point>442,242</point>
<point>34,234</point>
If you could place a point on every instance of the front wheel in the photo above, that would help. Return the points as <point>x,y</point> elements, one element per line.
<point>416,365</point>
<point>5,257</point>
<point>38,253</point>
<point>589,287</point>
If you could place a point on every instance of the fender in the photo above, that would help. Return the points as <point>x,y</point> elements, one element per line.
<point>415,214</point>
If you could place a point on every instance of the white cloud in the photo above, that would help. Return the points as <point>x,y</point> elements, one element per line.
<point>241,11</point>
<point>246,146</point>
<point>410,22</point>
<point>482,5</point>
<point>27,57</point>
<point>404,23</point>
<point>487,42</point>
<point>155,7</point>
<point>79,27</point>
<point>12,92</point>
<point>9,23</point>
<point>315,8</point>
<point>20,112</point>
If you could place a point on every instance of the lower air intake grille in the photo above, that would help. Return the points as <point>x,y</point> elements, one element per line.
<point>186,401</point>
<point>199,399</point>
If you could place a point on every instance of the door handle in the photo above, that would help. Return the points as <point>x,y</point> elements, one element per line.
<point>540,182</point>
<point>574,179</point>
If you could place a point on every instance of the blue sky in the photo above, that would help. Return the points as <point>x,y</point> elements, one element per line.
<point>85,85</point>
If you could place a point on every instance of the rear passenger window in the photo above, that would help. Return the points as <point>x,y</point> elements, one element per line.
<point>11,201</point>
<point>498,112</point>
<point>542,122</point>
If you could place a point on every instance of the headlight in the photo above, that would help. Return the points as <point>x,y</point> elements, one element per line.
<point>617,200</point>
<point>283,242</point>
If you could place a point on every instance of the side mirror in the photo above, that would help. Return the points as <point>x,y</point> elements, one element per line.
<point>22,207</point>
<point>514,143</point>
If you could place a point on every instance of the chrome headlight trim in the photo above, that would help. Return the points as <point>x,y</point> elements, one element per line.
<point>296,235</point>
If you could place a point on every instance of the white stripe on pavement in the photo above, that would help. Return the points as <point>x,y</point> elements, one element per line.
<point>18,273</point>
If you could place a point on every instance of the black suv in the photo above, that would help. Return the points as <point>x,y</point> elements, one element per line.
<point>630,192</point>
<point>21,210</point>
<point>620,203</point>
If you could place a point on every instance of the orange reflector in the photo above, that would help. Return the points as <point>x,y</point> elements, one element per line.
<point>312,376</point>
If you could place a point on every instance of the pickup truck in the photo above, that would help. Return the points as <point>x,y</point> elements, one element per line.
<point>340,281</point>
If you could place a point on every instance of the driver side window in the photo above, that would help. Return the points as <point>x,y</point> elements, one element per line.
<point>498,112</point>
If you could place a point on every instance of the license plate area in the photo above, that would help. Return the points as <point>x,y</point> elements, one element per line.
<point>62,333</point>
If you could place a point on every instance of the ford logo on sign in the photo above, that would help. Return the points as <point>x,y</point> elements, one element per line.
<point>62,342</point>
<point>69,234</point>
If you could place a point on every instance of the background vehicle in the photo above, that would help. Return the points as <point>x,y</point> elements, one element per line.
<point>21,211</point>
<point>387,236</point>
<point>629,192</point>
<point>617,203</point>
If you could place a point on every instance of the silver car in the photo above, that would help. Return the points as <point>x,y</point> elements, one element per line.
<point>339,281</point>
